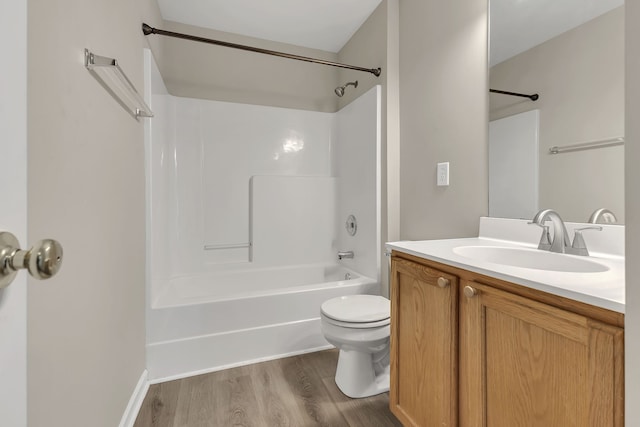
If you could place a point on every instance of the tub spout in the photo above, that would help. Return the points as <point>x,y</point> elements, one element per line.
<point>345,254</point>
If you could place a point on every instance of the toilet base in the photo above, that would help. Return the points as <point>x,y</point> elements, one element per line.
<point>357,375</point>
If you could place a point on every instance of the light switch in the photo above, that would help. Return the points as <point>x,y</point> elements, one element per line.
<point>443,174</point>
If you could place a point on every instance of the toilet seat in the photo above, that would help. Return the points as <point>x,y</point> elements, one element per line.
<point>356,325</point>
<point>357,311</point>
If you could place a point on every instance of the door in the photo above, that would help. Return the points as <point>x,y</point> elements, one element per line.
<point>424,382</point>
<point>13,208</point>
<point>524,363</point>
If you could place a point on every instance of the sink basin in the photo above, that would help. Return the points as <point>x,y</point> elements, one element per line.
<point>530,258</point>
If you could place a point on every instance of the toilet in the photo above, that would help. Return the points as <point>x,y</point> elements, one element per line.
<point>358,325</point>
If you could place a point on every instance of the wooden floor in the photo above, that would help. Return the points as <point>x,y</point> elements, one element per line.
<point>298,391</point>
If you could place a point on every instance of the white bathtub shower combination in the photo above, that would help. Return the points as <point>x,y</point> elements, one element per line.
<point>241,284</point>
<point>246,213</point>
<point>196,327</point>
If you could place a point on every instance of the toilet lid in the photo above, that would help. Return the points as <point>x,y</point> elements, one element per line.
<point>357,308</point>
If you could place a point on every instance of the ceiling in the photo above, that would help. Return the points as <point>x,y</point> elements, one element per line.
<point>515,25</point>
<point>518,25</point>
<point>319,24</point>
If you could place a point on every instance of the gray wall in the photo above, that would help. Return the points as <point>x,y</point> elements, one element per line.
<point>632,204</point>
<point>392,201</point>
<point>443,117</point>
<point>86,188</point>
<point>580,78</point>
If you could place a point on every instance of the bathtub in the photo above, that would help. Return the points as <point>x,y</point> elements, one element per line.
<point>200,324</point>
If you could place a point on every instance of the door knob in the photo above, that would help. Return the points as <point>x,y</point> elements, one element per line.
<point>42,261</point>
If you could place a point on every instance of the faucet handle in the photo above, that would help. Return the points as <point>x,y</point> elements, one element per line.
<point>545,238</point>
<point>591,227</point>
<point>579,247</point>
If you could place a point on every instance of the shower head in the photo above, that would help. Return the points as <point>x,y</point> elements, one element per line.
<point>340,89</point>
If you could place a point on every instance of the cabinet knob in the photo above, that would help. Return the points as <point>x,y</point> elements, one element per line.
<point>443,283</point>
<point>470,292</point>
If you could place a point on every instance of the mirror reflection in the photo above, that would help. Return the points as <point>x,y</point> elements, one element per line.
<point>564,150</point>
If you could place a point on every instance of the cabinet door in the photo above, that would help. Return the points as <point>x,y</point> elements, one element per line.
<point>524,363</point>
<point>424,338</point>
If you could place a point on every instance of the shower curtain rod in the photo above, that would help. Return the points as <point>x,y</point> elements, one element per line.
<point>533,97</point>
<point>147,29</point>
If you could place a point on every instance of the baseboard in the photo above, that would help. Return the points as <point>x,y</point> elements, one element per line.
<point>135,402</point>
<point>182,358</point>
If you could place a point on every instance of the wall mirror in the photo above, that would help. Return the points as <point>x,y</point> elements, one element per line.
<point>570,53</point>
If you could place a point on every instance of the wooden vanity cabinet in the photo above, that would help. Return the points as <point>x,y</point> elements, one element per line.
<point>519,357</point>
<point>424,345</point>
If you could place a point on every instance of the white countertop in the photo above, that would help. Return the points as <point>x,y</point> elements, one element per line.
<point>602,289</point>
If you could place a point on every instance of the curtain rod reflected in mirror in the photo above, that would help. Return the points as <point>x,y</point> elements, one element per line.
<point>533,97</point>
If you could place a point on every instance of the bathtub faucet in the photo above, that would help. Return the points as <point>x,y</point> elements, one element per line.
<point>345,254</point>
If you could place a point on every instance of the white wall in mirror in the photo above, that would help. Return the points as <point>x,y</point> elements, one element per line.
<point>579,76</point>
<point>513,166</point>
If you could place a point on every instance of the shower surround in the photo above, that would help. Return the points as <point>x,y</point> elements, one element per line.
<point>246,211</point>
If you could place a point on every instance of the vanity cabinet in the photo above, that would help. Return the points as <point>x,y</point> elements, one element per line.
<point>424,345</point>
<point>516,356</point>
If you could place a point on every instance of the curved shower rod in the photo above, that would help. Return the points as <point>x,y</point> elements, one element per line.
<point>147,29</point>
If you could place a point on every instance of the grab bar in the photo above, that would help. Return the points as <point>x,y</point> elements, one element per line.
<point>227,246</point>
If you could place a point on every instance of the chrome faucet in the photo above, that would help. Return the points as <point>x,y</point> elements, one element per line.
<point>603,214</point>
<point>345,254</point>
<point>561,241</point>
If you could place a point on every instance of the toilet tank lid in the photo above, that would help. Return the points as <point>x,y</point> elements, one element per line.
<point>357,308</point>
